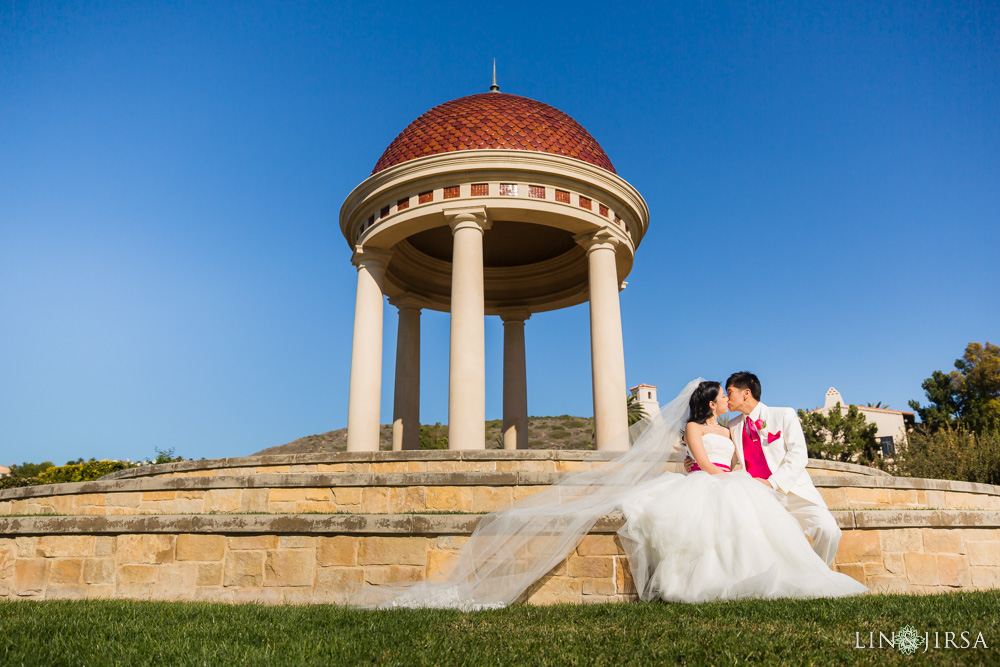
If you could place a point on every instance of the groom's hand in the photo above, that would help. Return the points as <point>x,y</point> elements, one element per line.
<point>764,482</point>
<point>688,463</point>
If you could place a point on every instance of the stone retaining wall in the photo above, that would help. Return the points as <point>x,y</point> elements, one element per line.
<point>301,528</point>
<point>312,559</point>
<point>381,493</point>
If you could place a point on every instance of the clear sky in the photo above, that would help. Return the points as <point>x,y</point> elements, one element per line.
<point>823,180</point>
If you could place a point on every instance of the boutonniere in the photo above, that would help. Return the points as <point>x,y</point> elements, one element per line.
<point>771,437</point>
<point>760,424</point>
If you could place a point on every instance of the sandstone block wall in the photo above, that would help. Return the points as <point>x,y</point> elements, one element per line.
<point>289,569</point>
<point>300,569</point>
<point>922,560</point>
<point>379,493</point>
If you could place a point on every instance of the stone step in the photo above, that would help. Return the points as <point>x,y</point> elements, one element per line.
<point>418,524</point>
<point>416,462</point>
<point>380,493</point>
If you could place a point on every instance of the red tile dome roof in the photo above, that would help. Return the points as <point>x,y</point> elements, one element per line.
<point>494,120</point>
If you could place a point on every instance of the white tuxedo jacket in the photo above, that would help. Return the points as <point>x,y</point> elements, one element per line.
<point>786,456</point>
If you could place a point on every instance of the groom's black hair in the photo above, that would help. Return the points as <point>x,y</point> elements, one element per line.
<point>745,380</point>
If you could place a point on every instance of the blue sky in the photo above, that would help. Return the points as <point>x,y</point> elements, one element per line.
<point>823,181</point>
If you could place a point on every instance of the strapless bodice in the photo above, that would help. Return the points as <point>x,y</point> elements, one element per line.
<point>719,448</point>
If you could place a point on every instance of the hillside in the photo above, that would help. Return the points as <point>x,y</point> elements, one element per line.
<point>562,432</point>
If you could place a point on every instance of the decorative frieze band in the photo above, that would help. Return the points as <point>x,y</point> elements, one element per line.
<point>471,191</point>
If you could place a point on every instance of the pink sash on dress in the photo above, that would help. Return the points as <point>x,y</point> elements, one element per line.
<point>720,465</point>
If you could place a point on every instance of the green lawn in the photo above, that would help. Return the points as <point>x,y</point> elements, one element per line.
<point>772,632</point>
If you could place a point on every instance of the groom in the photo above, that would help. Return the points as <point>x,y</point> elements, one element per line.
<point>772,449</point>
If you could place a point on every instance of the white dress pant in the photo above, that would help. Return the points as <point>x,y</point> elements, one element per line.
<point>817,523</point>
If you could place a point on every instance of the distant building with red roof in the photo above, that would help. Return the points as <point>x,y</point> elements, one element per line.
<point>892,424</point>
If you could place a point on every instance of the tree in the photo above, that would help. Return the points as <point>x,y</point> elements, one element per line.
<point>636,412</point>
<point>951,453</point>
<point>877,405</point>
<point>26,469</point>
<point>968,397</point>
<point>433,437</point>
<point>840,437</point>
<point>166,455</point>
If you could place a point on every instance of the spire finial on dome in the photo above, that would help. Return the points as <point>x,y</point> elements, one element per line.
<point>494,88</point>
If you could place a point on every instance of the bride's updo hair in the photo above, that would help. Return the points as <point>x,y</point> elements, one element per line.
<point>704,393</point>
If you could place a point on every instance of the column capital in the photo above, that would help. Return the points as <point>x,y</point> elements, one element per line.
<point>370,258</point>
<point>467,217</point>
<point>511,315</point>
<point>600,239</point>
<point>406,301</point>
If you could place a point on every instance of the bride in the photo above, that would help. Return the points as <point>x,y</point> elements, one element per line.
<point>716,534</point>
<point>711,535</point>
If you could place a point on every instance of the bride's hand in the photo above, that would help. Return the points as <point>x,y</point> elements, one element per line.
<point>688,463</point>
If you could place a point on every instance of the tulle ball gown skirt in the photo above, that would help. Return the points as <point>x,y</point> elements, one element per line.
<point>704,537</point>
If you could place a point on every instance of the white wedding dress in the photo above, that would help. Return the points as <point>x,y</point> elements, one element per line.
<point>707,537</point>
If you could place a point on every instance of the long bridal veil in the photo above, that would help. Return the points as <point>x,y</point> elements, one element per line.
<point>512,548</point>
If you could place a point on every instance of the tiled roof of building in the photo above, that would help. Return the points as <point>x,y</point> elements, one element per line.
<point>868,408</point>
<point>494,121</point>
<point>874,409</point>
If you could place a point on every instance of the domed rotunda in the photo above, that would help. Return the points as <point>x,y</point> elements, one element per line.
<point>491,204</point>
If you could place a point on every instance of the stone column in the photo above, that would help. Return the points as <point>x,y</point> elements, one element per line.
<point>406,398</point>
<point>366,352</point>
<point>467,370</point>
<point>515,380</point>
<point>607,352</point>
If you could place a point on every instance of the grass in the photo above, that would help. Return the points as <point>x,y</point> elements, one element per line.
<point>775,632</point>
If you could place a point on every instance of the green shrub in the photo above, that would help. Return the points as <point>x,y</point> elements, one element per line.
<point>950,453</point>
<point>575,423</point>
<point>74,472</point>
<point>434,437</point>
<point>15,482</point>
<point>26,470</point>
<point>81,472</point>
